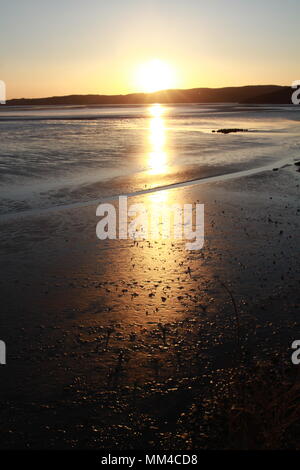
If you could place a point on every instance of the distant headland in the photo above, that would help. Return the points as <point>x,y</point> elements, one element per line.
<point>251,94</point>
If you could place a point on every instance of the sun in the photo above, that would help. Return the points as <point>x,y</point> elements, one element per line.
<point>155,75</point>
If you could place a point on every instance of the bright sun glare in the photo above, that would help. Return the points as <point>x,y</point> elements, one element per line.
<point>155,75</point>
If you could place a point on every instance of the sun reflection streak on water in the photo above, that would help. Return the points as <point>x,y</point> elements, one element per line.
<point>157,159</point>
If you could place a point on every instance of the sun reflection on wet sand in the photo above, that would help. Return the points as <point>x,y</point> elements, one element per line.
<point>158,197</point>
<point>157,160</point>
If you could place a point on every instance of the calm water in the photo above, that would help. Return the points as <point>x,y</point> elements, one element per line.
<point>59,155</point>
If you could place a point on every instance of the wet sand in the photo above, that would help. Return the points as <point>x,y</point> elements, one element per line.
<point>115,344</point>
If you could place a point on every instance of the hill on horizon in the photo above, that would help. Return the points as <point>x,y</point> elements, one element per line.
<point>250,94</point>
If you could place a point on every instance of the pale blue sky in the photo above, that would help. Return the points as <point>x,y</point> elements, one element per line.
<point>93,46</point>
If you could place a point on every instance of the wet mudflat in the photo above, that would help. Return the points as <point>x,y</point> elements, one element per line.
<point>122,344</point>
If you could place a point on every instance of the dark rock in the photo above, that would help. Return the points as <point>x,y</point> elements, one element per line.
<point>229,131</point>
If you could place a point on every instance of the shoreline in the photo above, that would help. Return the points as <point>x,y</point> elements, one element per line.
<point>198,181</point>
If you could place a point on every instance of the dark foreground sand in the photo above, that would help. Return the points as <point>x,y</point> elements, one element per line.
<point>121,345</point>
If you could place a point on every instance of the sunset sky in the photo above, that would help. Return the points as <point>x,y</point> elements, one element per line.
<point>94,46</point>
